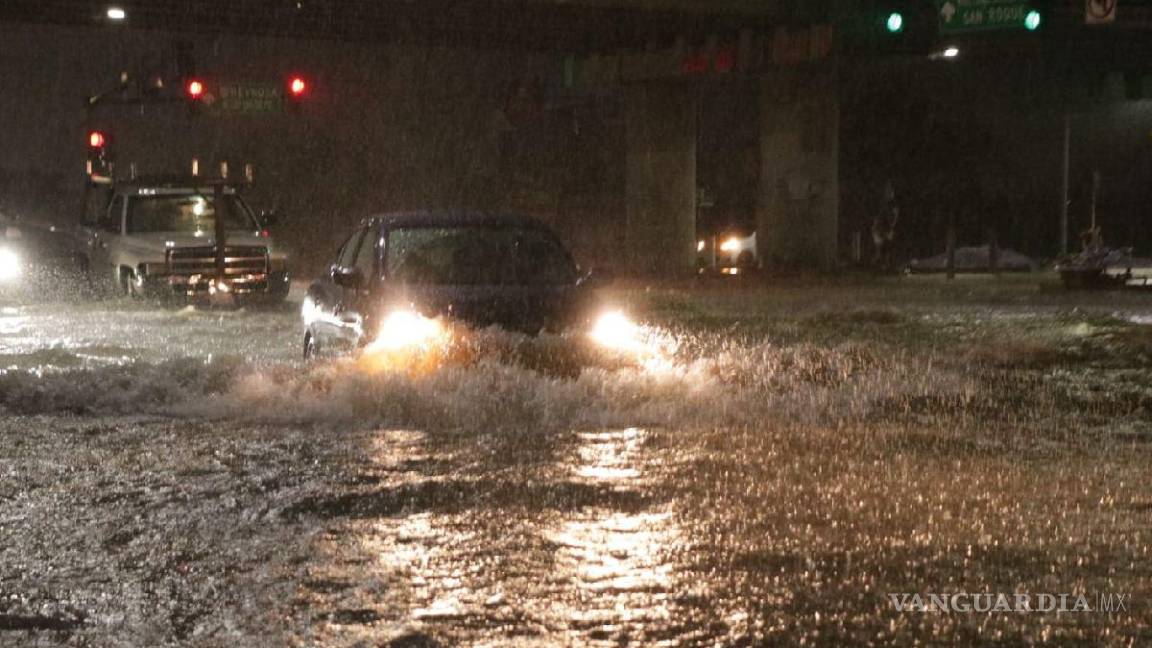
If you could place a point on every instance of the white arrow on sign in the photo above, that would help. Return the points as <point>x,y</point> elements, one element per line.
<point>948,11</point>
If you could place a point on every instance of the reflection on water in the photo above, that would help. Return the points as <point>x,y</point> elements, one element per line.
<point>609,457</point>
<point>415,549</point>
<point>620,562</point>
<point>616,552</point>
<point>553,548</point>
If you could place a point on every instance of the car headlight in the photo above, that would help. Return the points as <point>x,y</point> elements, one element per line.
<point>405,329</point>
<point>613,330</point>
<point>9,265</point>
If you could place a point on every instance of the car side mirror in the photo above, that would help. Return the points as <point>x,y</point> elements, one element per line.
<point>347,277</point>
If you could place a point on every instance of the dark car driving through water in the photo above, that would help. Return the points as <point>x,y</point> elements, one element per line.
<point>398,275</point>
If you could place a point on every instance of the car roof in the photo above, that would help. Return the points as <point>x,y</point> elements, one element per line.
<point>454,218</point>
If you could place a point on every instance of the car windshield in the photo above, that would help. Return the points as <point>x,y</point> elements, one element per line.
<point>184,213</point>
<point>477,255</point>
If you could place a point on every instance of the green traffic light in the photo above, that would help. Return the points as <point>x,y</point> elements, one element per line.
<point>1032,20</point>
<point>895,23</point>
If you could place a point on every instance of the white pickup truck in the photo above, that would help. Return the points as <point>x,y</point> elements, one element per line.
<point>157,238</point>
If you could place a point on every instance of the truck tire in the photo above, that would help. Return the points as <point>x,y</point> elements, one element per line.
<point>310,350</point>
<point>128,286</point>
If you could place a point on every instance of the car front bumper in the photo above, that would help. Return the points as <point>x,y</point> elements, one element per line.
<point>273,285</point>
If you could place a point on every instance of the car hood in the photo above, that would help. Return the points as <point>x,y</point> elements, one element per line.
<point>522,308</point>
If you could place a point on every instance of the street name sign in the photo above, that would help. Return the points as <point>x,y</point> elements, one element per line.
<point>249,98</point>
<point>975,15</point>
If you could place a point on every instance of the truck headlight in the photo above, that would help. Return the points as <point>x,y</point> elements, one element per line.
<point>10,267</point>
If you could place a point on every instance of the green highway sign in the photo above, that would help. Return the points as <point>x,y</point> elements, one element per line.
<point>249,98</point>
<point>974,15</point>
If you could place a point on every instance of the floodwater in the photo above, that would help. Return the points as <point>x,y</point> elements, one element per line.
<point>766,469</point>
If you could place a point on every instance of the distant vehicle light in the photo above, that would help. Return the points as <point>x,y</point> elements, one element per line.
<point>194,88</point>
<point>96,139</point>
<point>297,86</point>
<point>9,265</point>
<point>699,246</point>
<point>730,245</point>
<point>951,52</point>
<point>116,13</point>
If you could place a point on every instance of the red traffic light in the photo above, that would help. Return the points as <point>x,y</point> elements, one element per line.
<point>96,140</point>
<point>194,88</point>
<point>297,87</point>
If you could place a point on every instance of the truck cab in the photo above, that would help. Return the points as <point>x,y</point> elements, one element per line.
<point>158,238</point>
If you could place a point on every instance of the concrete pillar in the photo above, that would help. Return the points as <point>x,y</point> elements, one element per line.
<point>799,198</point>
<point>660,179</point>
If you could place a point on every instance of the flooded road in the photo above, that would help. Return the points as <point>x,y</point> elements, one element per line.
<point>781,463</point>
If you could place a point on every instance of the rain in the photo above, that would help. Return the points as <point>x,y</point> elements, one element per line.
<point>581,323</point>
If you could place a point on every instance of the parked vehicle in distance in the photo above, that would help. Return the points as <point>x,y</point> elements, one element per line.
<point>730,253</point>
<point>398,275</point>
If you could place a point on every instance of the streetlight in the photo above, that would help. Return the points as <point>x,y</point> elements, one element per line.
<point>116,14</point>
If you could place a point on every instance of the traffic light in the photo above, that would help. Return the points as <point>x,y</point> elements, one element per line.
<point>891,27</point>
<point>296,90</point>
<point>194,89</point>
<point>1032,20</point>
<point>297,87</point>
<point>97,162</point>
<point>894,23</point>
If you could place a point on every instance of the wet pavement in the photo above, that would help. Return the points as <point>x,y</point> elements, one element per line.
<point>778,463</point>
